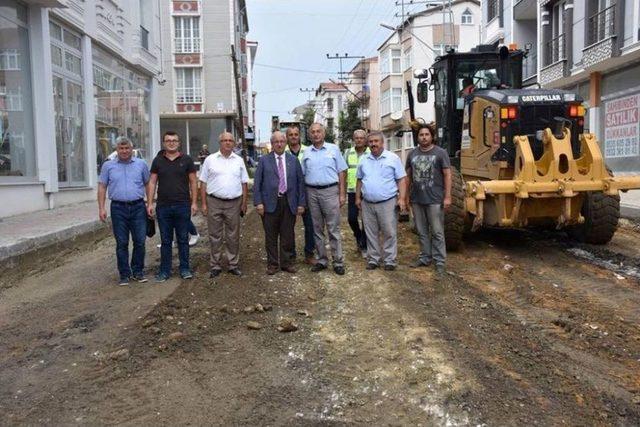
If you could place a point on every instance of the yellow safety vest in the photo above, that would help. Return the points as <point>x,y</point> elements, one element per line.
<point>352,159</point>
<point>300,153</point>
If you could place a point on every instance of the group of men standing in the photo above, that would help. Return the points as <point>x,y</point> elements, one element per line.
<point>376,184</point>
<point>293,180</point>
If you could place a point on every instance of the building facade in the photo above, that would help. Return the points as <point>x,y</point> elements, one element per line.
<point>414,46</point>
<point>206,71</point>
<point>514,22</point>
<point>330,99</point>
<point>593,48</point>
<point>365,88</point>
<point>74,76</point>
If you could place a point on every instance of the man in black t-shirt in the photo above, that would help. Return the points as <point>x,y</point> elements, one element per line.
<point>428,170</point>
<point>174,173</point>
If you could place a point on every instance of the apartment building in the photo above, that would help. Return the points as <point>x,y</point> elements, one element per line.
<point>330,99</point>
<point>363,84</point>
<point>414,46</point>
<point>510,22</point>
<point>206,71</point>
<point>74,76</point>
<point>593,48</point>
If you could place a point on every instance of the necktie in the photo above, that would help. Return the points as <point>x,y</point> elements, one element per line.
<point>282,181</point>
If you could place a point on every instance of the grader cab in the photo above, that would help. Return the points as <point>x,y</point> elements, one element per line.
<point>521,155</point>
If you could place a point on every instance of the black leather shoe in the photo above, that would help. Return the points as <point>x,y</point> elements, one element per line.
<point>214,273</point>
<point>339,270</point>
<point>318,267</point>
<point>389,267</point>
<point>235,272</point>
<point>372,266</point>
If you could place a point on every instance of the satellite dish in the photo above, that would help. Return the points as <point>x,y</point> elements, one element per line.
<point>396,115</point>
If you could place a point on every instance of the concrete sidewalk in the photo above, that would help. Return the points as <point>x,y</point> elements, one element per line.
<point>630,204</point>
<point>22,234</point>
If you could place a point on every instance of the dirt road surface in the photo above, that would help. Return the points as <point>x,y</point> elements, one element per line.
<point>525,329</point>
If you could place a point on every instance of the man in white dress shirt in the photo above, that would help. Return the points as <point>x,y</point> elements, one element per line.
<point>224,201</point>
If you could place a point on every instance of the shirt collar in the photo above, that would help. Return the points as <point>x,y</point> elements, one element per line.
<point>219,154</point>
<point>164,154</point>
<point>382,155</point>
<point>324,146</point>
<point>131,160</point>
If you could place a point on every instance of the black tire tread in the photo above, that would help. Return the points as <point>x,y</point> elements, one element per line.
<point>601,213</point>
<point>455,215</point>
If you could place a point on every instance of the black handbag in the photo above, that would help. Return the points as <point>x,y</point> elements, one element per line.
<point>151,227</point>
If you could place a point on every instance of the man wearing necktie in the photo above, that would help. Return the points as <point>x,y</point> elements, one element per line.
<point>278,195</point>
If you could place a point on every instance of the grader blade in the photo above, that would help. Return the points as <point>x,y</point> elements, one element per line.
<point>550,188</point>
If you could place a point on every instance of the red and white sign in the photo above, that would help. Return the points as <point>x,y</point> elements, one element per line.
<point>621,127</point>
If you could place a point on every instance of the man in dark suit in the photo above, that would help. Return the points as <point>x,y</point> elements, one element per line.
<point>278,195</point>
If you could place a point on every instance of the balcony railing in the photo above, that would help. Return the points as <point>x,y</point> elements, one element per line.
<point>187,44</point>
<point>602,25</point>
<point>555,50</point>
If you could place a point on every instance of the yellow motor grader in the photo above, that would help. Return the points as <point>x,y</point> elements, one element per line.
<point>521,156</point>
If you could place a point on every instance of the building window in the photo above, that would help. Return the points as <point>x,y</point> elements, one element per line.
<point>188,85</point>
<point>68,102</point>
<point>408,58</point>
<point>330,125</point>
<point>384,64</point>
<point>329,105</point>
<point>602,23</point>
<point>9,60</point>
<point>408,139</point>
<point>187,34</point>
<point>467,17</point>
<point>122,106</point>
<point>145,7</point>
<point>396,55</point>
<point>493,9</point>
<point>17,147</point>
<point>394,143</point>
<point>396,99</point>
<point>555,48</point>
<point>441,49</point>
<point>385,102</point>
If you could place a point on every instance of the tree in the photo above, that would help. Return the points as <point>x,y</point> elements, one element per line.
<point>349,122</point>
<point>330,136</point>
<point>309,116</point>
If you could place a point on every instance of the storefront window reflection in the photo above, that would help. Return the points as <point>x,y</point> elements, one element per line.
<point>122,106</point>
<point>17,151</point>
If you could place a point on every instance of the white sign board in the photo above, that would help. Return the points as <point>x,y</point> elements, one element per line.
<point>621,127</point>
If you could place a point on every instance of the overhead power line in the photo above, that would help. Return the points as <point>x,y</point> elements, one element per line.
<point>301,70</point>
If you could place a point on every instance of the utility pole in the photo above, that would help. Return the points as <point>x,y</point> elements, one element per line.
<point>309,91</point>
<point>240,120</point>
<point>340,58</point>
<point>403,3</point>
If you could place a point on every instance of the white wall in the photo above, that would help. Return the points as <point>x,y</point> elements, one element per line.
<point>114,25</point>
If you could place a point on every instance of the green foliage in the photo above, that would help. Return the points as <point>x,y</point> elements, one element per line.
<point>309,116</point>
<point>330,136</point>
<point>349,122</point>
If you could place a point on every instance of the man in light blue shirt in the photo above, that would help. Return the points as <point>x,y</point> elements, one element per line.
<point>125,179</point>
<point>380,186</point>
<point>325,178</point>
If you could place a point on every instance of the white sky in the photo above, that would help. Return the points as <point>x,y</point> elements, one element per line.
<point>298,34</point>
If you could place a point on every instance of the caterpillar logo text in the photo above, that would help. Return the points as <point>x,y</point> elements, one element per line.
<point>540,98</point>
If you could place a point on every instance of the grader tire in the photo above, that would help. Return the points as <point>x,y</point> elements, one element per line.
<point>455,216</point>
<point>601,213</point>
